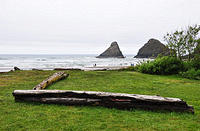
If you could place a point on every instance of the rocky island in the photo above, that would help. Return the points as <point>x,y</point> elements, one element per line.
<point>152,49</point>
<point>112,52</point>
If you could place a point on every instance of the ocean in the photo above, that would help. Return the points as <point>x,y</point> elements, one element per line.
<point>49,62</point>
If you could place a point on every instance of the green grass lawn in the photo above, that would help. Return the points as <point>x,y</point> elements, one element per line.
<point>34,116</point>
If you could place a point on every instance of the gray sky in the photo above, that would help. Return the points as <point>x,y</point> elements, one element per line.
<point>89,26</point>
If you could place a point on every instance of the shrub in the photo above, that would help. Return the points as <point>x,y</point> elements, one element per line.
<point>187,65</point>
<point>162,66</point>
<point>196,62</point>
<point>191,74</point>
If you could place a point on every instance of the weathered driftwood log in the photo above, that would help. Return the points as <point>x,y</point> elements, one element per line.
<point>106,99</point>
<point>74,69</point>
<point>35,69</point>
<point>55,77</point>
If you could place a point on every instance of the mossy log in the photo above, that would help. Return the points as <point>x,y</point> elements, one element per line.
<point>106,99</point>
<point>55,77</point>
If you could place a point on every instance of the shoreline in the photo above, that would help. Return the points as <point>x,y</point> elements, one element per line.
<point>90,68</point>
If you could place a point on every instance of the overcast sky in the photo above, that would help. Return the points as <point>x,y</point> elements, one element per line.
<point>89,26</point>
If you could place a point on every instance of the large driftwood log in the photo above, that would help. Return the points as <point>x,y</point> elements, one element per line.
<point>106,99</point>
<point>73,69</point>
<point>55,77</point>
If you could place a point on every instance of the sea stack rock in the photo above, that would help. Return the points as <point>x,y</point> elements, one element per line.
<point>152,49</point>
<point>113,51</point>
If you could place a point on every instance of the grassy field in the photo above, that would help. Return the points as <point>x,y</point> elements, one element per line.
<point>33,116</point>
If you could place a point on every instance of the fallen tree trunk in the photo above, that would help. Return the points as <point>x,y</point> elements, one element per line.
<point>55,77</point>
<point>106,99</point>
<point>73,69</point>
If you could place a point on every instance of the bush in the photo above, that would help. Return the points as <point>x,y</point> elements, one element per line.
<point>191,74</point>
<point>162,66</point>
<point>187,65</point>
<point>196,62</point>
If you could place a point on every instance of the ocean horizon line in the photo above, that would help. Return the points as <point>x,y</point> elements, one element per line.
<point>65,54</point>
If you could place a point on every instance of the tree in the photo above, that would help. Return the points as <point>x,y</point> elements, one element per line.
<point>191,40</point>
<point>197,49</point>
<point>175,42</point>
<point>184,41</point>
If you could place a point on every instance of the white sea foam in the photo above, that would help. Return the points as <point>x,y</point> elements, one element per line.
<point>48,62</point>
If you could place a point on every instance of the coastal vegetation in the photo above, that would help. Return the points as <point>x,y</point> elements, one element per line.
<point>34,116</point>
<point>183,42</point>
<point>162,66</point>
<point>184,58</point>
